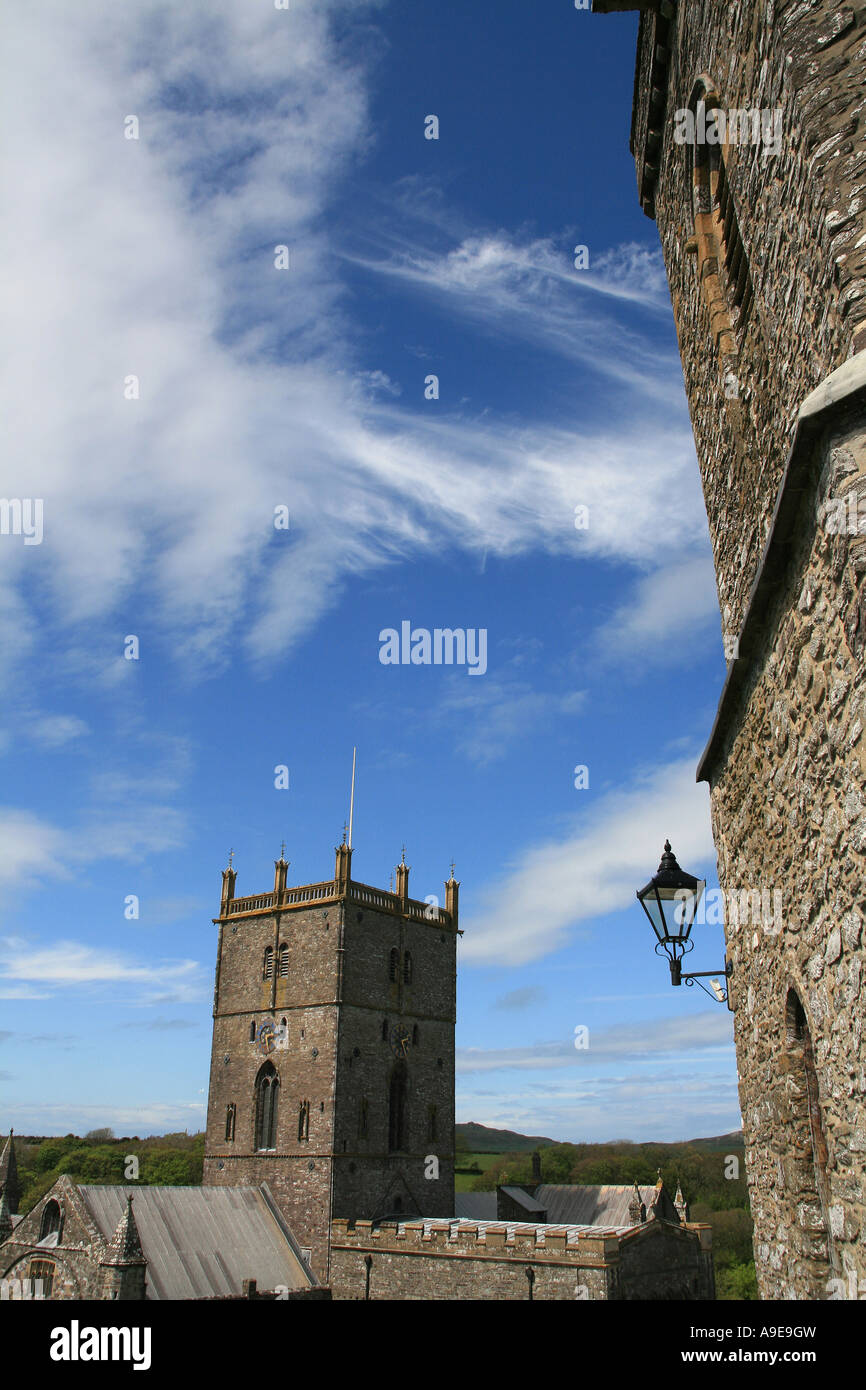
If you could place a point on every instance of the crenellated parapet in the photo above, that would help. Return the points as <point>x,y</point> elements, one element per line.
<point>447,1259</point>
<point>341,888</point>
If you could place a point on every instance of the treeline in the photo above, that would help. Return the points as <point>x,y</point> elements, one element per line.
<point>177,1160</point>
<point>704,1177</point>
<point>169,1160</point>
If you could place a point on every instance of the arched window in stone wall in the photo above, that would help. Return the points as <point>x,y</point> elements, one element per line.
<point>808,1150</point>
<point>393,963</point>
<point>52,1220</point>
<point>284,961</point>
<point>715,240</point>
<point>268,963</point>
<point>737,274</point>
<point>231,1117</point>
<point>267,1103</point>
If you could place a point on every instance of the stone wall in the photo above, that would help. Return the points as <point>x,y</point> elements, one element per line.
<point>75,1257</point>
<point>441,1260</point>
<point>789,812</point>
<point>780,428</point>
<point>802,218</point>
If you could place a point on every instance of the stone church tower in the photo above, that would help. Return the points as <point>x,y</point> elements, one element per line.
<point>332,1070</point>
<point>749,138</point>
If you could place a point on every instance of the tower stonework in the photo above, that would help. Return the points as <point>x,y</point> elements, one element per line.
<point>761,214</point>
<point>332,1068</point>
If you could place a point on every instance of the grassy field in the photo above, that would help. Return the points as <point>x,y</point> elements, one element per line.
<point>463,1181</point>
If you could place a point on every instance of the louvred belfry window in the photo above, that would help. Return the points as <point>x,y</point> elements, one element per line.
<point>268,964</point>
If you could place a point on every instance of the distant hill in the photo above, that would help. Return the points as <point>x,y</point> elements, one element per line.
<point>474,1138</point>
<point>478,1139</point>
<point>722,1141</point>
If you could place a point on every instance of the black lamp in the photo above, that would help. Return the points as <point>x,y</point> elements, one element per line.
<point>670,901</point>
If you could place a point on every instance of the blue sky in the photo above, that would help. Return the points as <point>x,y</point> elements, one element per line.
<point>304,388</point>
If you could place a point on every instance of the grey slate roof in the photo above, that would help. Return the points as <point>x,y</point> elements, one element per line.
<point>590,1206</point>
<point>201,1242</point>
<point>475,1206</point>
<point>534,1208</point>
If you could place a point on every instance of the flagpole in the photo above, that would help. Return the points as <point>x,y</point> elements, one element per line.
<point>352,799</point>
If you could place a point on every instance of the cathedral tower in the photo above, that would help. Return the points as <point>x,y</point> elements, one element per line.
<point>749,140</point>
<point>332,1069</point>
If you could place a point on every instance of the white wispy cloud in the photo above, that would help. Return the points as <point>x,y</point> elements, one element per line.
<point>557,886</point>
<point>147,1117</point>
<point>35,850</point>
<point>531,290</point>
<point>253,391</point>
<point>678,1036</point>
<point>661,1105</point>
<point>495,713</point>
<point>56,730</point>
<point>71,965</point>
<point>665,611</point>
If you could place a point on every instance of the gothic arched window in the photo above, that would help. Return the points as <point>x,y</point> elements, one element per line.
<point>397,1107</point>
<point>268,964</point>
<point>52,1218</point>
<point>231,1116</point>
<point>267,1103</point>
<point>284,962</point>
<point>407,968</point>
<point>252,1030</point>
<point>393,963</point>
<point>722,264</point>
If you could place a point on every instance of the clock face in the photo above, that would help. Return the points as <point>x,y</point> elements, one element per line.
<point>399,1040</point>
<point>266,1036</point>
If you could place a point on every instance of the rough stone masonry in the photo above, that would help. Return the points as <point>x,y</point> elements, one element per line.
<point>765,251</point>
